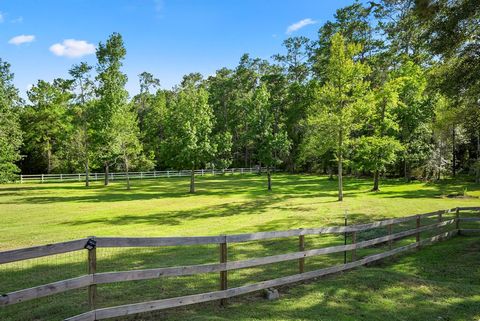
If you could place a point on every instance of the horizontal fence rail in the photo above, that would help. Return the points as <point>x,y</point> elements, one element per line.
<point>93,279</point>
<point>81,177</point>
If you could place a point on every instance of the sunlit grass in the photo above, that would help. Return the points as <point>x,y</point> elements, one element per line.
<point>43,213</point>
<point>37,214</point>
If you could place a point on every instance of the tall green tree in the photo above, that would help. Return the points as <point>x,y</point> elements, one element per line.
<point>188,142</point>
<point>47,123</point>
<point>112,98</point>
<point>355,23</point>
<point>82,116</point>
<point>340,102</point>
<point>247,76</point>
<point>144,99</point>
<point>297,93</point>
<point>269,137</point>
<point>10,131</point>
<point>150,105</point>
<point>413,114</point>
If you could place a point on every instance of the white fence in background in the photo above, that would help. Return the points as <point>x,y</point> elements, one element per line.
<point>80,177</point>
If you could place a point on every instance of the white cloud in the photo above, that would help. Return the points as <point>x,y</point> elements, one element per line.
<point>73,48</point>
<point>2,17</point>
<point>299,25</point>
<point>18,40</point>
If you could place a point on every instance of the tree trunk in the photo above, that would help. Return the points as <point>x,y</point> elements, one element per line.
<point>192,181</point>
<point>454,159</point>
<point>128,175</point>
<point>269,178</point>
<point>375,181</point>
<point>49,158</point>
<point>340,164</point>
<point>340,177</point>
<point>246,156</point>
<point>87,174</point>
<point>405,168</point>
<point>439,174</point>
<point>478,157</point>
<point>107,181</point>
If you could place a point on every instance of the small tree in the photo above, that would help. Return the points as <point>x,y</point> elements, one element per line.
<point>374,153</point>
<point>223,145</point>
<point>126,143</point>
<point>340,101</point>
<point>379,148</point>
<point>270,139</point>
<point>188,142</point>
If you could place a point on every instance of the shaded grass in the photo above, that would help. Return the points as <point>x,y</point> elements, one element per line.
<point>38,214</point>
<point>223,204</point>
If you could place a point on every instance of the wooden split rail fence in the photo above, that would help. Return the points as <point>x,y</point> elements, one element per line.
<point>93,279</point>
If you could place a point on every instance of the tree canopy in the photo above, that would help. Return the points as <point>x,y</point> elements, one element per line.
<point>386,88</point>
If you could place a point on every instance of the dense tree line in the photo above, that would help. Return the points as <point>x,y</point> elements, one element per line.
<point>387,88</point>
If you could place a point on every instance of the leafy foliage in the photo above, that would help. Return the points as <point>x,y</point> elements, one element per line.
<point>10,131</point>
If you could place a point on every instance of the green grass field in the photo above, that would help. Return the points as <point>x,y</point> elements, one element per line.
<point>441,282</point>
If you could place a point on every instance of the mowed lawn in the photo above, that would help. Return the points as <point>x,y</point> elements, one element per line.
<point>440,282</point>
<point>34,214</point>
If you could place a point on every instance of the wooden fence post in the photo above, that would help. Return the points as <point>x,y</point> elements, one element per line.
<point>223,274</point>
<point>354,251</point>
<point>92,268</point>
<point>417,235</point>
<point>390,229</point>
<point>301,248</point>
<point>457,220</point>
<point>42,178</point>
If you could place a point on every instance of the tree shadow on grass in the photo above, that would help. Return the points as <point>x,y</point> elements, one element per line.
<point>293,186</point>
<point>256,206</point>
<point>284,185</point>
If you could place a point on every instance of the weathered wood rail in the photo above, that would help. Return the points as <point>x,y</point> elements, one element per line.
<point>92,279</point>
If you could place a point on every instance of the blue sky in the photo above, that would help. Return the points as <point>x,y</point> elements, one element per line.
<point>168,38</point>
